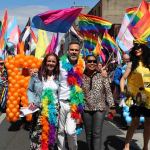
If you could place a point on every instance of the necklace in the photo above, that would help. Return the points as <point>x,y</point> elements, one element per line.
<point>74,79</point>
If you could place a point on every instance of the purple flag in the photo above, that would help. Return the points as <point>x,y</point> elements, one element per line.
<point>56,20</point>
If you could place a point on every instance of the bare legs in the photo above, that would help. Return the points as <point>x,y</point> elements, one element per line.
<point>130,132</point>
<point>146,134</point>
<point>133,127</point>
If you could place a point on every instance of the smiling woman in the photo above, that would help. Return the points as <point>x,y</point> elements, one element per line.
<point>97,94</point>
<point>42,94</point>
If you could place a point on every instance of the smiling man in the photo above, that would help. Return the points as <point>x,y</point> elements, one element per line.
<point>69,77</point>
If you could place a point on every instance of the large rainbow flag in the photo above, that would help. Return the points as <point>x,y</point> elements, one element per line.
<point>94,24</point>
<point>142,29</point>
<point>135,14</point>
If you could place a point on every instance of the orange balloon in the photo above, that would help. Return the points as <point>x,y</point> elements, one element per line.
<point>15,102</point>
<point>14,119</point>
<point>13,81</point>
<point>10,66</point>
<point>33,65</point>
<point>14,110</point>
<point>9,78</point>
<point>10,115</point>
<point>16,85</point>
<point>11,106</point>
<point>7,110</point>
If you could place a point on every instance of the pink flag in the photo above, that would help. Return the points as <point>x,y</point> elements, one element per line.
<point>53,44</point>
<point>56,20</point>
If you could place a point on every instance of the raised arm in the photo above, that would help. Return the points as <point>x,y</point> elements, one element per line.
<point>125,76</point>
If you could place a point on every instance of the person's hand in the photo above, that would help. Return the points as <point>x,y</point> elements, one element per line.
<point>111,114</point>
<point>112,111</point>
<point>32,106</point>
<point>122,95</point>
<point>33,71</point>
<point>104,73</point>
<point>79,120</point>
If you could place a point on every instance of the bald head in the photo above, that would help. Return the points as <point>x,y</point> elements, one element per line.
<point>126,58</point>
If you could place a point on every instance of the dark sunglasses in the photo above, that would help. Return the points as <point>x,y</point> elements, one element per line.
<point>136,47</point>
<point>91,61</point>
<point>74,49</point>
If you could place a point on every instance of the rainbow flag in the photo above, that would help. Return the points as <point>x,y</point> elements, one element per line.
<point>135,14</point>
<point>94,24</point>
<point>131,12</point>
<point>98,50</point>
<point>109,43</point>
<point>90,41</point>
<point>56,20</point>
<point>142,29</point>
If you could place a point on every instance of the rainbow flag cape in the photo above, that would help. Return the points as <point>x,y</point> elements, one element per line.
<point>94,24</point>
<point>56,20</point>
<point>109,43</point>
<point>90,41</point>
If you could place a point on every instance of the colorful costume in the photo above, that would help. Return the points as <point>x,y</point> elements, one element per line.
<point>45,122</point>
<point>71,101</point>
<point>139,89</point>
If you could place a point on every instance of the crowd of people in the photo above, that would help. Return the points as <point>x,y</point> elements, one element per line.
<point>81,92</point>
<point>71,90</point>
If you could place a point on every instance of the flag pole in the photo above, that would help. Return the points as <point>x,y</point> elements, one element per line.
<point>107,63</point>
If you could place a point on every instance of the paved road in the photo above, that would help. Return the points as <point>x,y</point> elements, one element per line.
<point>12,138</point>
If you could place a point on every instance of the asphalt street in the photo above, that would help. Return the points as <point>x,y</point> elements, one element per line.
<point>15,137</point>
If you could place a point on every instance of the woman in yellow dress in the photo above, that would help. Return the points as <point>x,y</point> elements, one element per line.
<point>136,73</point>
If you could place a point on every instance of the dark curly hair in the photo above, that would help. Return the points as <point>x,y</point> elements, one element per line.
<point>145,56</point>
<point>43,72</point>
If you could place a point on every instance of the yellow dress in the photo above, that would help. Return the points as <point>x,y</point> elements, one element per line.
<point>139,85</point>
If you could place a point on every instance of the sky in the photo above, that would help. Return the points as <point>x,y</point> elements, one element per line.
<point>23,9</point>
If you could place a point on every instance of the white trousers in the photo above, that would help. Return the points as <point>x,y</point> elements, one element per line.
<point>66,125</point>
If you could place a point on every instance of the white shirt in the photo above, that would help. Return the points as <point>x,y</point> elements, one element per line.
<point>51,83</point>
<point>64,89</point>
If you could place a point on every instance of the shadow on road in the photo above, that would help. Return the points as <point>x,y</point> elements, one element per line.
<point>117,143</point>
<point>15,126</point>
<point>82,145</point>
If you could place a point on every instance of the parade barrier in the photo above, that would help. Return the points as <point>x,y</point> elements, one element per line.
<point>18,84</point>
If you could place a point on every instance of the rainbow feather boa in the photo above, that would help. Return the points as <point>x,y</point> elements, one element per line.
<point>48,119</point>
<point>74,79</point>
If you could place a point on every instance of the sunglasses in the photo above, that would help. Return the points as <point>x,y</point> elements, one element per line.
<point>74,49</point>
<point>137,47</point>
<point>91,61</point>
